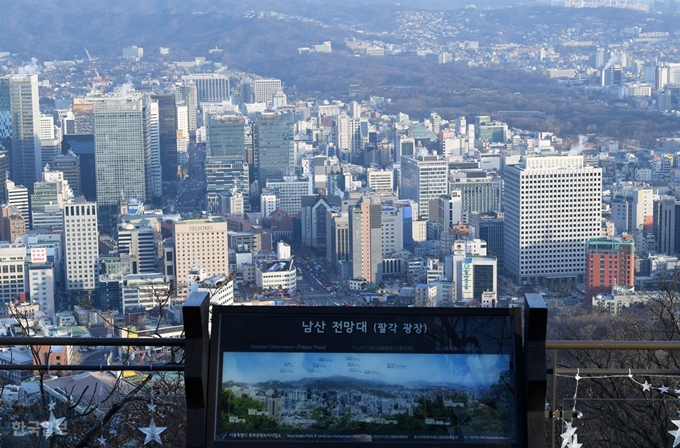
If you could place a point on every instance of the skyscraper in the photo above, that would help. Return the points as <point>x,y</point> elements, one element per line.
<point>48,200</point>
<point>81,246</point>
<point>224,175</point>
<point>69,164</point>
<point>20,92</point>
<point>633,209</point>
<point>553,204</point>
<point>225,136</point>
<point>423,179</point>
<point>210,87</point>
<point>122,150</point>
<point>167,135</point>
<point>365,229</point>
<point>187,95</point>
<point>667,225</point>
<point>264,89</point>
<point>274,149</point>
<point>478,190</point>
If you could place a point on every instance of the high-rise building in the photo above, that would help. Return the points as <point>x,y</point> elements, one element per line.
<point>69,164</point>
<point>633,209</point>
<point>40,285</point>
<point>223,175</point>
<point>450,212</point>
<point>210,87</point>
<point>12,224</point>
<point>20,92</point>
<point>479,191</point>
<point>610,263</point>
<point>167,135</point>
<point>138,241</point>
<point>380,181</point>
<point>493,132</point>
<point>48,200</point>
<point>200,243</point>
<point>347,136</point>
<point>273,146</point>
<point>489,227</point>
<point>17,196</point>
<point>4,172</point>
<point>338,238</point>
<point>423,179</point>
<point>365,229</point>
<point>187,95</point>
<point>313,216</point>
<point>154,174</point>
<point>225,136</point>
<point>289,192</point>
<point>667,225</point>
<point>81,246</point>
<point>122,150</point>
<point>264,89</point>
<point>12,271</point>
<point>553,204</point>
<point>182,132</point>
<point>82,146</point>
<point>474,272</point>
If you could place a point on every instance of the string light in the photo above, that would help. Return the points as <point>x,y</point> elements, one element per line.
<point>569,436</point>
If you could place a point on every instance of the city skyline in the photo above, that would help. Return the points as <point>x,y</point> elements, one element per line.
<point>396,368</point>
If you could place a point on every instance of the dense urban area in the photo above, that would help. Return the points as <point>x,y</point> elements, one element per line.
<point>357,155</point>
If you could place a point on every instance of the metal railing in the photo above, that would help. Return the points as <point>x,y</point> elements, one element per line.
<point>195,345</point>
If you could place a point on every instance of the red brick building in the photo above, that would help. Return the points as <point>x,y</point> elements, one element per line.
<point>610,262</point>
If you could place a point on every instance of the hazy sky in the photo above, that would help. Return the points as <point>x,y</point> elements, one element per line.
<point>466,370</point>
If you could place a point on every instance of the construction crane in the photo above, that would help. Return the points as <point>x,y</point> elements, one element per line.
<point>99,78</point>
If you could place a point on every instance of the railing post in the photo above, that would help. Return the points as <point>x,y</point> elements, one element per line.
<point>535,328</point>
<point>196,363</point>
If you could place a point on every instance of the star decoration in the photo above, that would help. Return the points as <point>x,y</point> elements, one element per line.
<point>646,387</point>
<point>52,426</point>
<point>568,435</point>
<point>101,440</point>
<point>574,443</point>
<point>663,389</point>
<point>51,406</point>
<point>152,407</point>
<point>153,432</point>
<point>676,433</point>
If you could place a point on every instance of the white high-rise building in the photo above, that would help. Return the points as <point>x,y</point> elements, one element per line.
<point>12,271</point>
<point>264,89</point>
<point>47,127</point>
<point>17,196</point>
<point>200,243</point>
<point>153,128</point>
<point>40,285</point>
<point>381,181</point>
<point>348,134</point>
<point>81,245</point>
<point>553,204</point>
<point>423,179</point>
<point>182,129</point>
<point>289,192</point>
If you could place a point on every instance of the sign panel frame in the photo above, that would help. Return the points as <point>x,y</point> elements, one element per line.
<point>379,377</point>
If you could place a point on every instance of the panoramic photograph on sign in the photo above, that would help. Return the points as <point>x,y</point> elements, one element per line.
<point>362,378</point>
